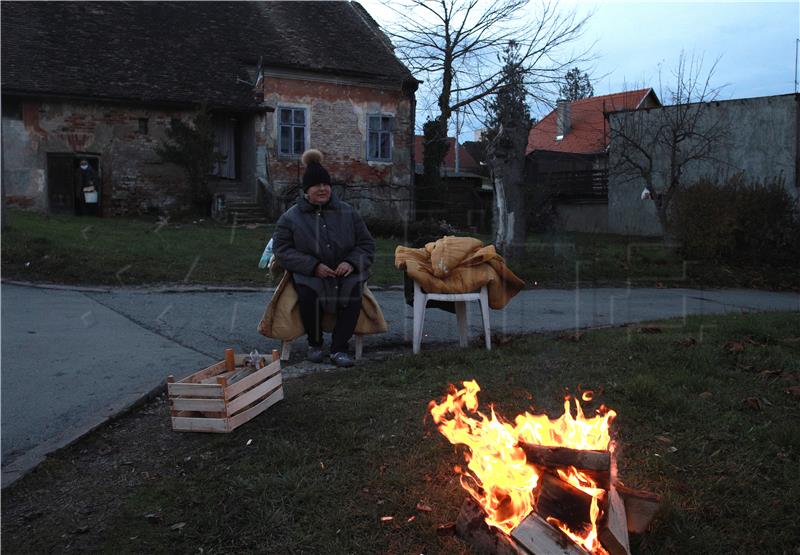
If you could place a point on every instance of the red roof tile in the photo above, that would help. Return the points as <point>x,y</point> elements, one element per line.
<point>587,133</point>
<point>466,161</point>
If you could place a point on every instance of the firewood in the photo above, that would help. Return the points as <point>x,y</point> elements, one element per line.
<point>471,527</point>
<point>540,538</point>
<point>640,507</point>
<point>562,500</point>
<point>613,532</point>
<point>594,464</point>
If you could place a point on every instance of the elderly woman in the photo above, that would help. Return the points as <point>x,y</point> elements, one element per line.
<point>326,246</point>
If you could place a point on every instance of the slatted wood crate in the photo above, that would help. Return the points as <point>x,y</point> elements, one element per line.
<point>225,395</point>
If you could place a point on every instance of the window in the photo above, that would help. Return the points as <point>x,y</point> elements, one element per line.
<point>143,124</point>
<point>12,108</point>
<point>292,131</point>
<point>379,141</point>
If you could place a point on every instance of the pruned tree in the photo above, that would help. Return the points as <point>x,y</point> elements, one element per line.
<point>658,146</point>
<point>192,146</point>
<point>576,86</point>
<point>454,47</point>
<point>508,124</point>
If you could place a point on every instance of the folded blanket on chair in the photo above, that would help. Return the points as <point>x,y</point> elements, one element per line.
<point>282,321</point>
<point>460,265</point>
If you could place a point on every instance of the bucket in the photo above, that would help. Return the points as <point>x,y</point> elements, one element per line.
<point>90,197</point>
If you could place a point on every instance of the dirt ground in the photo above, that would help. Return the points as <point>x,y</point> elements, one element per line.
<point>77,514</point>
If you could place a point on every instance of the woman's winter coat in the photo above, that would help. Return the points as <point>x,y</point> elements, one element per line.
<point>307,235</point>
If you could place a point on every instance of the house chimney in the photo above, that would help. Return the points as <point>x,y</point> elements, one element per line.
<point>562,119</point>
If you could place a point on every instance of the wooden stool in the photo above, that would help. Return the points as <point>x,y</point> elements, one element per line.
<point>460,299</point>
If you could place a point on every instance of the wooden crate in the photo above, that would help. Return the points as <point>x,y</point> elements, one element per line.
<point>225,395</point>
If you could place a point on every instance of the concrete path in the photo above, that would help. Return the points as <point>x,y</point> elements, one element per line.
<point>71,359</point>
<point>68,364</point>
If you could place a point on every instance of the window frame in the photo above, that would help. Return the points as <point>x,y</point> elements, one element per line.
<point>279,126</point>
<point>379,132</point>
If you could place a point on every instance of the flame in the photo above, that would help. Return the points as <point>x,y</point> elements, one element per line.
<point>498,476</point>
<point>589,540</point>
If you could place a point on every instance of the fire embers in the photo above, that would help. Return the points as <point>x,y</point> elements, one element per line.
<point>539,478</point>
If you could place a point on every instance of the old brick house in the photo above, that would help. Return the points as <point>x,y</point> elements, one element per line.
<point>103,80</point>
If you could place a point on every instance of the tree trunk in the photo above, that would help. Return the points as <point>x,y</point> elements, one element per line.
<point>507,158</point>
<point>430,197</point>
<point>509,218</point>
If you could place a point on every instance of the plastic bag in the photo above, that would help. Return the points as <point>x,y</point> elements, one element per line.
<point>256,359</point>
<point>266,255</point>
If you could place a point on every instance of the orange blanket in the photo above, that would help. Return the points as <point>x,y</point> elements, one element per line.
<point>282,321</point>
<point>460,265</point>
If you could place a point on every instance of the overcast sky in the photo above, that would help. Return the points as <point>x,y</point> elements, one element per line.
<point>754,41</point>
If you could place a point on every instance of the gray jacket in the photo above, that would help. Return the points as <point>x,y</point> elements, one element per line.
<point>307,235</point>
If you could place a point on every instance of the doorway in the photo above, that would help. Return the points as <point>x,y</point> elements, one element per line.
<point>63,183</point>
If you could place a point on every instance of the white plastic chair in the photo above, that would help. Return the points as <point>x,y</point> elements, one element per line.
<point>460,299</point>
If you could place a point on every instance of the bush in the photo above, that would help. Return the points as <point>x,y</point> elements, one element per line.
<point>541,207</point>
<point>737,221</point>
<point>702,220</point>
<point>414,234</point>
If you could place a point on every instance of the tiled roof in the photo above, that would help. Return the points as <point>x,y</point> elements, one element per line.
<point>184,51</point>
<point>588,133</point>
<point>465,160</point>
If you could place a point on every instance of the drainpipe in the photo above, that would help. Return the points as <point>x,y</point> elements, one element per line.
<point>3,214</point>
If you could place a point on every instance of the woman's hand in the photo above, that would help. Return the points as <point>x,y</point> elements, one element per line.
<point>344,269</point>
<point>323,271</point>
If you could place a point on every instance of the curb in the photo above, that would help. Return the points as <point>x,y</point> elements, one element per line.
<point>32,459</point>
<point>164,288</point>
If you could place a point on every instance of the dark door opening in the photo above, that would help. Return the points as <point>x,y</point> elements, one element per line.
<point>60,187</point>
<point>66,183</point>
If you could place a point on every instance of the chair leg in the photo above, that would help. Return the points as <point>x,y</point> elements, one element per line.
<point>420,300</point>
<point>286,350</point>
<point>461,319</point>
<point>485,315</point>
<point>359,346</point>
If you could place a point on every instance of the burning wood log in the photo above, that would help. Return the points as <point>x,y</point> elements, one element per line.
<point>563,501</point>
<point>594,464</point>
<point>540,538</point>
<point>613,534</point>
<point>640,507</point>
<point>484,539</point>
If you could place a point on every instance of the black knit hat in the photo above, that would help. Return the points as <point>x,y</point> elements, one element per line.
<point>315,173</point>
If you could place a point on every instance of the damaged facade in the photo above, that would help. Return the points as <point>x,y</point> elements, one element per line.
<point>103,81</point>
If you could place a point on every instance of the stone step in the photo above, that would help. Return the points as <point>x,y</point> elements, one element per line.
<point>246,213</point>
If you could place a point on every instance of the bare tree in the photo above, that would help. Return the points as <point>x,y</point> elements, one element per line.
<point>508,124</point>
<point>456,46</point>
<point>658,145</point>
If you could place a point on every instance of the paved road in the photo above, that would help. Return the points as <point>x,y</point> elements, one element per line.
<point>71,359</point>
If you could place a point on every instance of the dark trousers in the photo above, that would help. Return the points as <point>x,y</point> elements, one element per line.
<point>311,315</point>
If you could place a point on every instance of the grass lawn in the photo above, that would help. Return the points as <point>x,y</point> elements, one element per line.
<point>708,412</point>
<point>67,249</point>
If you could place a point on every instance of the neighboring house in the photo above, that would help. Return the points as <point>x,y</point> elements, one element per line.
<point>760,138</point>
<point>466,199</point>
<point>567,157</point>
<point>103,80</point>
